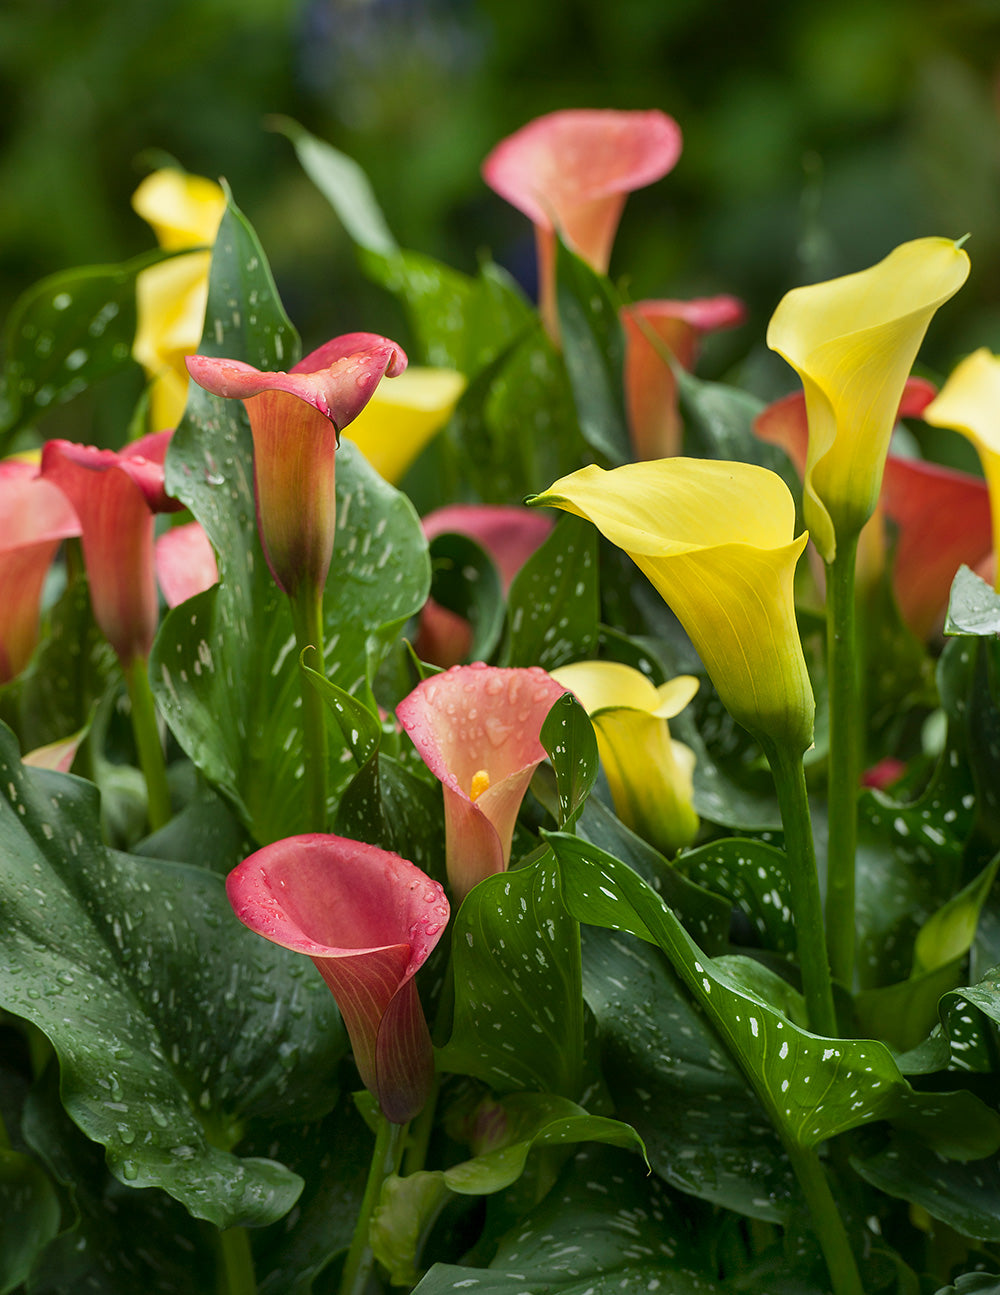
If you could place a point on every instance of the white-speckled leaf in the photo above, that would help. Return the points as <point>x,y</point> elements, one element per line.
<point>552,604</point>
<point>974,606</point>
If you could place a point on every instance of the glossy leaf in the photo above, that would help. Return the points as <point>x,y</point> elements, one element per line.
<point>31,1216</point>
<point>465,580</point>
<point>974,606</point>
<point>552,603</point>
<point>568,738</point>
<point>754,876</point>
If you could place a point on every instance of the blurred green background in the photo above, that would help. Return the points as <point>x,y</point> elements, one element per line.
<point>816,137</point>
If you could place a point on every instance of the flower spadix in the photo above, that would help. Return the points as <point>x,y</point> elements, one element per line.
<point>296,419</point>
<point>717,541</point>
<point>649,774</point>
<point>853,341</point>
<point>476,728</point>
<point>369,920</point>
<point>969,402</point>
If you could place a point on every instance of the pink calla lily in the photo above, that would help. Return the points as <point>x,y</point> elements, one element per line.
<point>650,385</point>
<point>476,727</point>
<point>369,920</point>
<point>35,518</point>
<point>509,535</point>
<point>115,495</point>
<point>571,171</point>
<point>185,563</point>
<point>296,419</point>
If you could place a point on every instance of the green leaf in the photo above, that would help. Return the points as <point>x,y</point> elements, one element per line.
<point>754,876</point>
<point>409,1206</point>
<point>465,580</point>
<point>552,604</point>
<point>172,1023</point>
<point>359,728</point>
<point>568,738</point>
<point>973,607</point>
<point>973,1284</point>
<point>593,344</point>
<point>518,1000</point>
<point>718,424</point>
<point>812,1088</point>
<point>64,334</point>
<point>30,1211</point>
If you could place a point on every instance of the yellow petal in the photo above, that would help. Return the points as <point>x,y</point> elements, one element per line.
<point>403,415</point>
<point>853,340</point>
<point>716,540</point>
<point>170,302</point>
<point>183,210</point>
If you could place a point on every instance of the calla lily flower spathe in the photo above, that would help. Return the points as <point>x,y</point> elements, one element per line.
<point>402,417</point>
<point>648,773</point>
<point>296,419</point>
<point>35,518</point>
<point>476,727</point>
<point>570,172</point>
<point>369,919</point>
<point>184,211</point>
<point>716,541</point>
<point>185,563</point>
<point>650,385</point>
<point>853,341</point>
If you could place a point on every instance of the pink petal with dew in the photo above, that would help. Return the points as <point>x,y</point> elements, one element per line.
<point>476,727</point>
<point>185,563</point>
<point>650,385</point>
<point>368,919</point>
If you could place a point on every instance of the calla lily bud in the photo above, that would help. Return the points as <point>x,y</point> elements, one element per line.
<point>570,172</point>
<point>853,341</point>
<point>969,402</point>
<point>296,419</point>
<point>35,518</point>
<point>115,496</point>
<point>369,919</point>
<point>716,541</point>
<point>648,773</point>
<point>476,727</point>
<point>402,417</point>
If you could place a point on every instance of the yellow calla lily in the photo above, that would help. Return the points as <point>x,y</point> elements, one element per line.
<point>649,774</point>
<point>403,416</point>
<point>853,341</point>
<point>969,402</point>
<point>716,540</point>
<point>184,211</point>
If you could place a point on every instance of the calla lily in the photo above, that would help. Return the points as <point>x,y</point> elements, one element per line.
<point>369,920</point>
<point>171,296</point>
<point>509,535</point>
<point>476,728</point>
<point>115,495</point>
<point>969,402</point>
<point>404,416</point>
<point>185,563</point>
<point>716,540</point>
<point>853,341</point>
<point>650,385</point>
<point>648,773</point>
<point>296,419</point>
<point>571,171</point>
<point>35,518</point>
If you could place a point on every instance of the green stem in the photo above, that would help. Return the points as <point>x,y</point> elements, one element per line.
<point>845,756</point>
<point>827,1223</point>
<point>385,1161</point>
<point>147,741</point>
<point>307,616</point>
<point>235,1270</point>
<point>807,905</point>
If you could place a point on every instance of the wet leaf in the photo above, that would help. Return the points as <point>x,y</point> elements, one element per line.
<point>974,606</point>
<point>552,604</point>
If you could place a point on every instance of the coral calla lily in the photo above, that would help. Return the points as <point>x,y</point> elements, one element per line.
<point>571,171</point>
<point>476,727</point>
<point>716,540</point>
<point>650,385</point>
<point>296,419</point>
<point>184,211</point>
<point>969,402</point>
<point>402,417</point>
<point>369,920</point>
<point>115,496</point>
<point>853,341</point>
<point>648,773</point>
<point>185,563</point>
<point>35,518</point>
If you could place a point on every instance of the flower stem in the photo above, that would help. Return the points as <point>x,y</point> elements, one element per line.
<point>845,754</point>
<point>829,1227</point>
<point>385,1161</point>
<point>807,906</point>
<point>147,741</point>
<point>235,1268</point>
<point>307,616</point>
